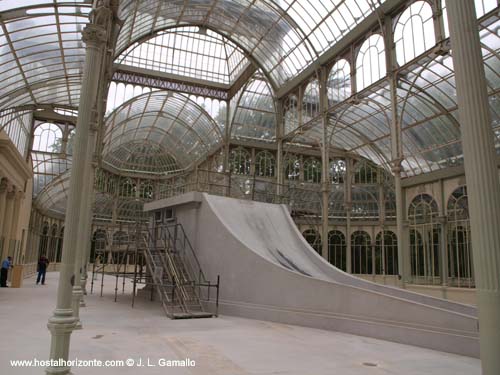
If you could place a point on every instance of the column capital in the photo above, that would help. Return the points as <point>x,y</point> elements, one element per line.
<point>94,35</point>
<point>396,166</point>
<point>4,185</point>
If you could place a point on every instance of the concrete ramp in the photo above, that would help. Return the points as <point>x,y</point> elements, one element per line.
<point>268,271</point>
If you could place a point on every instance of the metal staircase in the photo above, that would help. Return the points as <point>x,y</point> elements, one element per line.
<point>175,271</point>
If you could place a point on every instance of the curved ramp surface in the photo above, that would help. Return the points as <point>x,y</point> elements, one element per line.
<point>268,271</point>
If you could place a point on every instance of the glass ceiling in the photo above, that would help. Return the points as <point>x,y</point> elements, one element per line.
<point>42,57</point>
<point>254,116</point>
<point>53,200</point>
<point>41,52</point>
<point>427,110</point>
<point>159,133</point>
<point>188,51</point>
<point>283,36</point>
<point>54,196</point>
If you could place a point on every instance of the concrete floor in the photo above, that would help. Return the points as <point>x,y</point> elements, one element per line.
<point>222,346</point>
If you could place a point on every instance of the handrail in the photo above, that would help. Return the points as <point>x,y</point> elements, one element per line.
<point>221,183</point>
<point>149,262</point>
<point>190,247</point>
<point>175,276</point>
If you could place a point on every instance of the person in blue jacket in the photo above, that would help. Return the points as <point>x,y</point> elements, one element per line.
<point>43,263</point>
<point>6,265</point>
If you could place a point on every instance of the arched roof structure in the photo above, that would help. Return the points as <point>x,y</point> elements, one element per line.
<point>283,36</point>
<point>42,58</point>
<point>427,110</point>
<point>159,133</point>
<point>53,198</point>
<point>41,52</point>
<point>191,51</point>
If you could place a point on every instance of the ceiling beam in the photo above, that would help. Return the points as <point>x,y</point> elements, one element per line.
<point>242,79</point>
<point>165,81</point>
<point>52,116</point>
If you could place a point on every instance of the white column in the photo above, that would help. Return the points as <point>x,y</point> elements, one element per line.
<point>483,186</point>
<point>3,201</point>
<point>7,222</point>
<point>443,245</point>
<point>325,163</point>
<point>279,153</point>
<point>87,230</point>
<point>348,209</point>
<point>403,273</point>
<point>62,323</point>
<point>279,169</point>
<point>87,193</point>
<point>18,196</point>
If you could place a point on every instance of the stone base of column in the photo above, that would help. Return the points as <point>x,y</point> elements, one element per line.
<point>83,291</point>
<point>489,320</point>
<point>76,298</point>
<point>60,325</point>
<point>83,283</point>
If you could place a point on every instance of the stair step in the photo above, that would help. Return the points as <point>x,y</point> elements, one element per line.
<point>192,315</point>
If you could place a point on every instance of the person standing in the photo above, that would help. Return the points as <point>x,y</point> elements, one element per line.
<point>43,263</point>
<point>6,265</point>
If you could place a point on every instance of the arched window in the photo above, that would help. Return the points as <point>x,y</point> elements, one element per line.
<point>365,173</point>
<point>313,238</point>
<point>218,162</point>
<point>127,188</point>
<point>47,138</point>
<point>460,266</point>
<point>312,170</point>
<point>361,253</point>
<point>390,203</point>
<point>98,246</point>
<point>239,160</point>
<point>120,93</point>
<point>414,32</point>
<point>265,164</point>
<point>310,101</point>
<point>424,239</point>
<point>292,167</point>
<point>370,63</point>
<point>71,142</point>
<point>339,82</point>
<point>337,249</point>
<point>337,171</point>
<point>146,190</point>
<point>365,203</point>
<point>291,114</point>
<point>386,253</point>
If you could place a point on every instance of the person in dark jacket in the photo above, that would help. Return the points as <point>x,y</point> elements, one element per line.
<point>6,265</point>
<point>43,263</point>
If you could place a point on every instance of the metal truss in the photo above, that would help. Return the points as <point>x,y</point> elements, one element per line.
<point>164,83</point>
